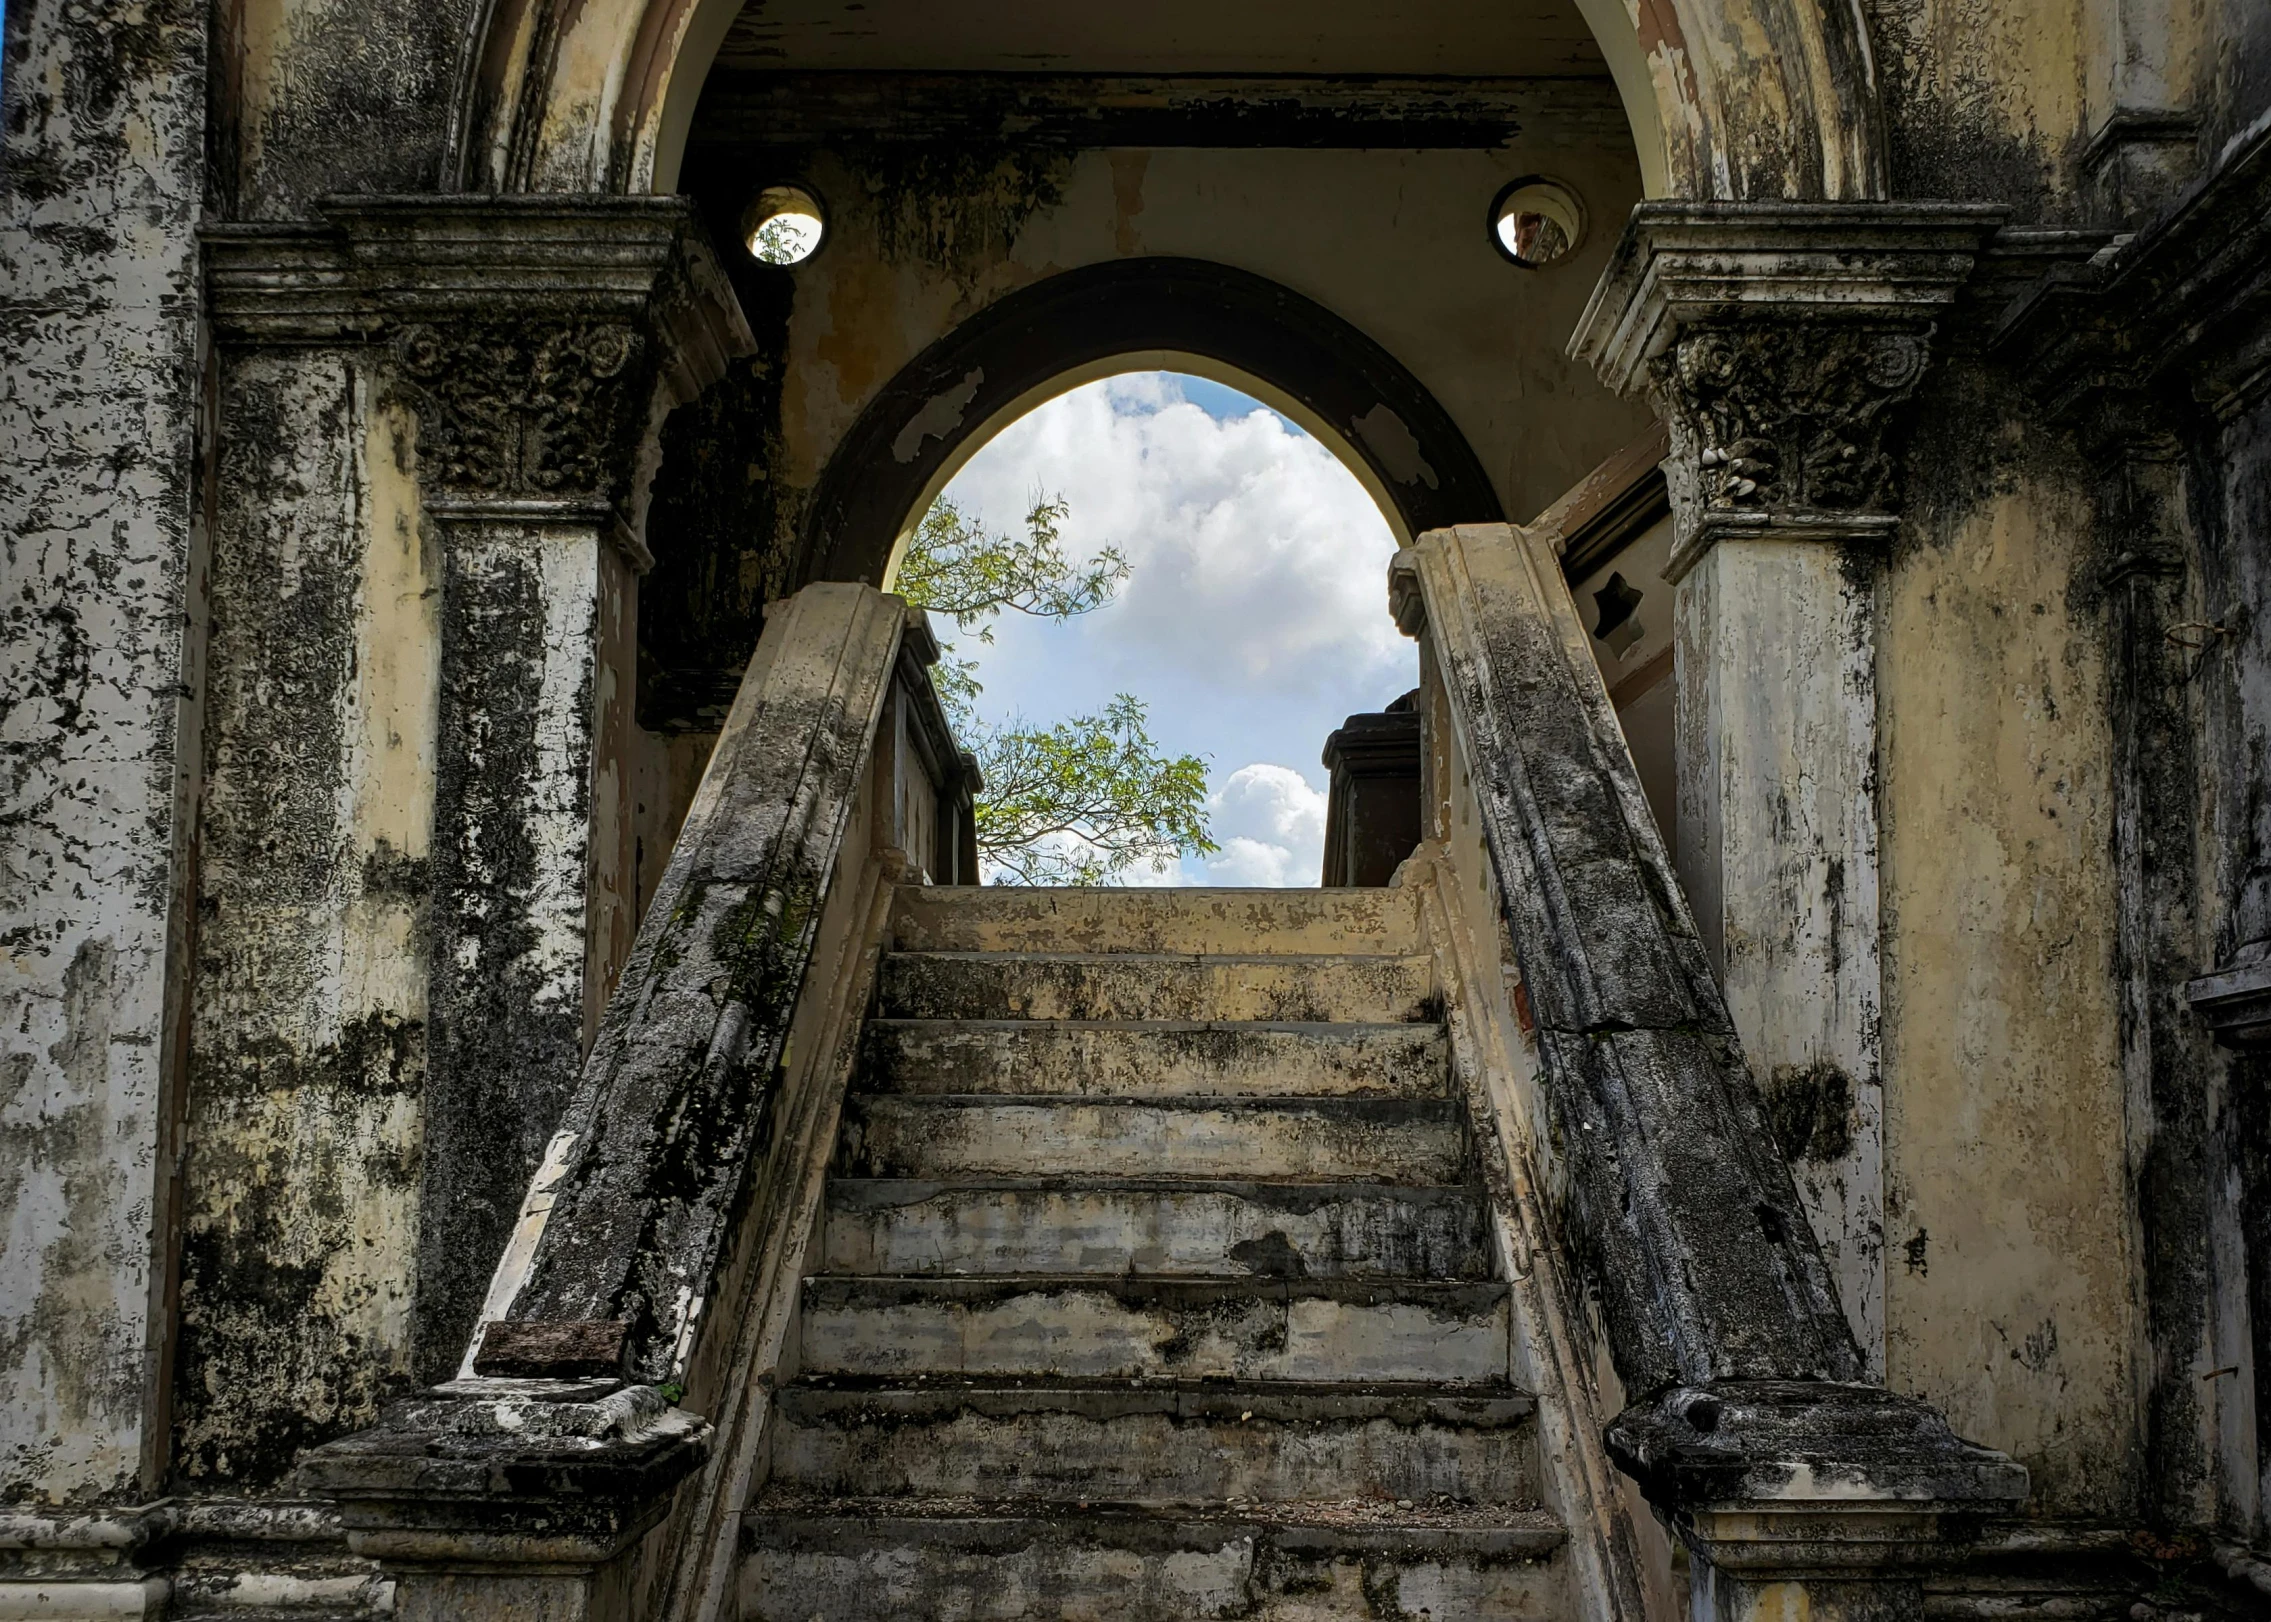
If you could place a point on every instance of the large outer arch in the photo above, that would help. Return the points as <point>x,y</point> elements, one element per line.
<point>920,427</point>
<point>1729,100</point>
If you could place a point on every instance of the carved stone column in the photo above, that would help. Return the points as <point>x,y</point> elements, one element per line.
<point>433,419</point>
<point>1780,343</point>
<point>527,429</point>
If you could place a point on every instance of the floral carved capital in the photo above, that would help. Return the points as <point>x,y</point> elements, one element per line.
<point>1786,425</point>
<point>525,409</point>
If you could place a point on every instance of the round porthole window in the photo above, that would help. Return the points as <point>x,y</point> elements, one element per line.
<point>784,226</point>
<point>1535,222</point>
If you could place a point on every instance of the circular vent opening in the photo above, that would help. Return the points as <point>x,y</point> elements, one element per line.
<point>1536,222</point>
<point>785,226</point>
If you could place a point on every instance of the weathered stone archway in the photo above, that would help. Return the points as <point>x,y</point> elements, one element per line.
<point>1382,421</point>
<point>1730,100</point>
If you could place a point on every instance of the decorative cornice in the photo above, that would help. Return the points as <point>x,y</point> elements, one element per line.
<point>2182,306</point>
<point>365,264</point>
<point>538,338</point>
<point>1777,342</point>
<point>1680,264</point>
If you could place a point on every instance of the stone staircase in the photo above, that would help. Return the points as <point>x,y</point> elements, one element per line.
<point>1153,1283</point>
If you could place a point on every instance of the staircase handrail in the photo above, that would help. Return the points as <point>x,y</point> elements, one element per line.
<point>666,1221</point>
<point>1749,1421</point>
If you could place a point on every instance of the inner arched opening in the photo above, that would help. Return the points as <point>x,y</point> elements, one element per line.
<point>1199,605</point>
<point>1308,204</point>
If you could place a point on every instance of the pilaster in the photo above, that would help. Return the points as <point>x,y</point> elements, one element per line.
<point>2156,354</point>
<point>1781,344</point>
<point>101,640</point>
<point>436,420</point>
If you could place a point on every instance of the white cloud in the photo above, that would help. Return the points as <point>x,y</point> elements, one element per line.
<point>1255,618</point>
<point>1271,825</point>
<point>1269,821</point>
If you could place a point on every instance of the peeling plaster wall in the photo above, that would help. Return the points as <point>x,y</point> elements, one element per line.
<point>2229,1351</point>
<point>1394,242</point>
<point>310,1044</point>
<point>101,172</point>
<point>325,96</point>
<point>2009,1231</point>
<point>418,861</point>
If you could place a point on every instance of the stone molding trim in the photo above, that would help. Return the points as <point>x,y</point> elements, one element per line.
<point>186,1556</point>
<point>1750,1425</point>
<point>1400,441</point>
<point>1779,341</point>
<point>532,1489</point>
<point>541,340</point>
<point>2234,1002</point>
<point>2183,306</point>
<point>1724,98</point>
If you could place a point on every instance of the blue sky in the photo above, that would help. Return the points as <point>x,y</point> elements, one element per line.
<point>1255,619</point>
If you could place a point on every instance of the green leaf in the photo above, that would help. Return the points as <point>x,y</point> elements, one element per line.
<point>956,569</point>
<point>1084,800</point>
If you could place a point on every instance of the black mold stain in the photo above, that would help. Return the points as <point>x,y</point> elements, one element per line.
<point>1948,134</point>
<point>363,104</point>
<point>1271,1255</point>
<point>1810,1109</point>
<point>263,1369</point>
<point>722,520</point>
<point>507,1040</point>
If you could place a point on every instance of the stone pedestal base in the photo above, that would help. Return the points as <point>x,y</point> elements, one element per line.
<point>1811,1501</point>
<point>512,1500</point>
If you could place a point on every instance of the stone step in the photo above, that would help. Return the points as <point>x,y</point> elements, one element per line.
<point>859,1562</point>
<point>1119,1226</point>
<point>1118,1328</point>
<point>1388,1140</point>
<point>1117,986</point>
<point>1164,1445</point>
<point>1154,1059</point>
<point>1014,918</point>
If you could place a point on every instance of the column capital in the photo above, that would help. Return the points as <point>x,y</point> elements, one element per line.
<point>540,339</point>
<point>1777,341</point>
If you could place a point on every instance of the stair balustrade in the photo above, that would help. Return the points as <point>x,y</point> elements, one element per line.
<point>1674,1273</point>
<point>588,1463</point>
<point>1665,1298</point>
